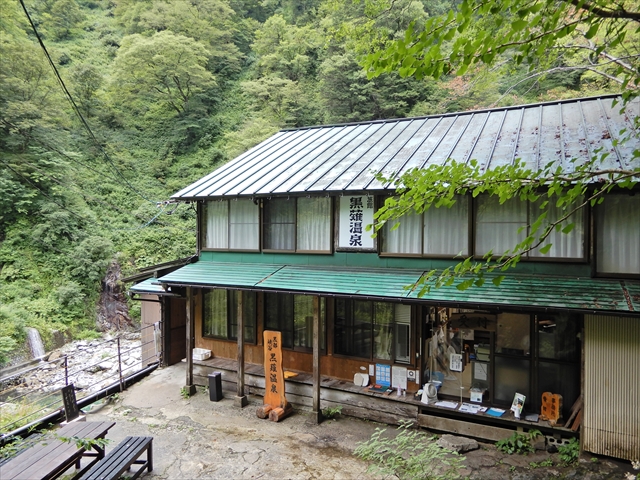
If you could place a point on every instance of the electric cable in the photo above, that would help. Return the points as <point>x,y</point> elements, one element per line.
<point>77,110</point>
<point>86,220</point>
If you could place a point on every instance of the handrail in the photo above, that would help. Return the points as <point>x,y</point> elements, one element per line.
<point>71,376</point>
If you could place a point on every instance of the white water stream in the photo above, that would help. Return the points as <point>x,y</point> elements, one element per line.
<point>35,343</point>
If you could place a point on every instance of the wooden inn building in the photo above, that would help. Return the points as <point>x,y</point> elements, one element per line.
<point>282,245</point>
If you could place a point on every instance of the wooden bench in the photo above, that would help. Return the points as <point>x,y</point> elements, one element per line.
<point>51,455</point>
<point>121,458</point>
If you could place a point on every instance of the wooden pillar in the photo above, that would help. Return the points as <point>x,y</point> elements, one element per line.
<point>316,412</point>
<point>191,388</point>
<point>241,398</point>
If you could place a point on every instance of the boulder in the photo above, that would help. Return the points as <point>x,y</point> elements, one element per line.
<point>457,444</point>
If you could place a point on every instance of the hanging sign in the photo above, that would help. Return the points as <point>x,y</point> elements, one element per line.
<point>356,212</point>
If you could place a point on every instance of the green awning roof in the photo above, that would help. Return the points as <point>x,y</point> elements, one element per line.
<point>517,290</point>
<point>151,286</point>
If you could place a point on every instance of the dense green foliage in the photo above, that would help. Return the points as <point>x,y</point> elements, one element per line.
<point>170,89</point>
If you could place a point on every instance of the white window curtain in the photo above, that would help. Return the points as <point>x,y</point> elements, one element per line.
<point>618,237</point>
<point>563,245</point>
<point>217,224</point>
<point>446,230</point>
<point>215,313</point>
<point>244,232</point>
<point>280,224</point>
<point>407,238</point>
<point>497,225</point>
<point>314,224</point>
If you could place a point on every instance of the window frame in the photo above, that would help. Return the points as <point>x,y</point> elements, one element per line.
<point>291,321</point>
<point>469,237</point>
<point>329,233</point>
<point>584,259</point>
<point>598,213</point>
<point>231,321</point>
<point>229,248</point>
<point>371,330</point>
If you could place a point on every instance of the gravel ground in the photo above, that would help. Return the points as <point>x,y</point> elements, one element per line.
<point>195,438</point>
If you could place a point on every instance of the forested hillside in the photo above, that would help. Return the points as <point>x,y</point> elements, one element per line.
<point>153,94</point>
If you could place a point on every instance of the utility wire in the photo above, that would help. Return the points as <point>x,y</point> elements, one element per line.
<point>140,227</point>
<point>85,195</point>
<point>76,109</point>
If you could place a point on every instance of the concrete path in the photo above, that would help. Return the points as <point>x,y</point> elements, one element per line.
<point>195,438</point>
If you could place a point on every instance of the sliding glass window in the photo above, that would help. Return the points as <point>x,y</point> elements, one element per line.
<point>220,314</point>
<point>292,315</point>
<point>438,232</point>
<point>231,225</point>
<point>297,224</point>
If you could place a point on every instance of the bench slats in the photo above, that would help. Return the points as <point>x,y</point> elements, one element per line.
<point>121,458</point>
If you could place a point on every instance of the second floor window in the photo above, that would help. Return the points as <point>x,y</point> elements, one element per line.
<point>437,232</point>
<point>231,225</point>
<point>297,224</point>
<point>618,237</point>
<point>500,227</point>
<point>444,232</point>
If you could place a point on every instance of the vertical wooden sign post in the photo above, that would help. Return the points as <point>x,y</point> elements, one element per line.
<point>275,405</point>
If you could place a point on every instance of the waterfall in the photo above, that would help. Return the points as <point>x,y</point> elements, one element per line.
<point>34,341</point>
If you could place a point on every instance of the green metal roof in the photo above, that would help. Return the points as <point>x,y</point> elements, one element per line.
<point>221,274</point>
<point>368,282</point>
<point>150,285</point>
<point>516,290</point>
<point>545,291</point>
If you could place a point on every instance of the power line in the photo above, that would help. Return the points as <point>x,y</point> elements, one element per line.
<point>76,109</point>
<point>91,221</point>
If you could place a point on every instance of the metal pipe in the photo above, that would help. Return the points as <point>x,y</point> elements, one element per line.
<point>54,417</point>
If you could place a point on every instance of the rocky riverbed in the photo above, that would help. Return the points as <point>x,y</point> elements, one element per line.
<point>89,365</point>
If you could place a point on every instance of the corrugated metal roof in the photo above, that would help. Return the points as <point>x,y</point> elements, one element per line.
<point>150,285</point>
<point>343,158</point>
<point>519,290</point>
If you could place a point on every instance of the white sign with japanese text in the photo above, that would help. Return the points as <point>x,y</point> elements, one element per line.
<point>355,214</point>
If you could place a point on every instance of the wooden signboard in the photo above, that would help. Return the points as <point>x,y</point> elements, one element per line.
<point>551,408</point>
<point>275,403</point>
<point>71,409</point>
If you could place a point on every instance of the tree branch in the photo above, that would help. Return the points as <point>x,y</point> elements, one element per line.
<point>620,13</point>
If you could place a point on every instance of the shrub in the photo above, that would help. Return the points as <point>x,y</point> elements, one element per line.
<point>409,455</point>
<point>518,443</point>
<point>569,452</point>
<point>331,412</point>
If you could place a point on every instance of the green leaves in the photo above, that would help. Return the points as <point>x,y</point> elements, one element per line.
<point>165,68</point>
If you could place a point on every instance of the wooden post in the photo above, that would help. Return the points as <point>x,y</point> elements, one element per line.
<point>241,398</point>
<point>191,388</point>
<point>316,412</point>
